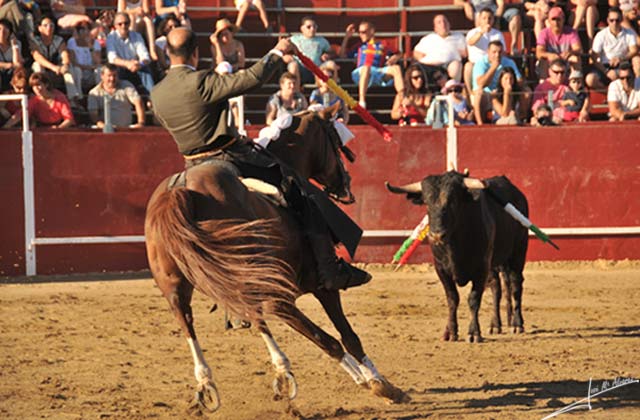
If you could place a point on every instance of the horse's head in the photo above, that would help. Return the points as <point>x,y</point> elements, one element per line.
<point>313,148</point>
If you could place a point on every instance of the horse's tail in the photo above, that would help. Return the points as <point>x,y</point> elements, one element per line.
<point>232,261</point>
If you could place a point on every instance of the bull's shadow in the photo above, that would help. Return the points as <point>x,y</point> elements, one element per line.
<point>628,331</point>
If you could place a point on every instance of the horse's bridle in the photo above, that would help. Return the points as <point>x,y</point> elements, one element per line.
<point>338,147</point>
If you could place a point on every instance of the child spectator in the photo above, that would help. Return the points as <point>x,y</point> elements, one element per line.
<point>123,95</point>
<point>575,103</point>
<point>410,106</point>
<point>543,117</point>
<point>243,7</point>
<point>439,111</point>
<point>506,100</point>
<point>140,17</point>
<point>324,96</point>
<point>10,54</point>
<point>286,100</point>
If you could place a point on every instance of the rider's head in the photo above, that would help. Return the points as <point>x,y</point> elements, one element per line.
<point>182,46</point>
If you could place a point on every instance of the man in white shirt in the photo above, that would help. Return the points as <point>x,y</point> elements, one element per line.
<point>612,46</point>
<point>623,95</point>
<point>127,50</point>
<point>441,49</point>
<point>478,40</point>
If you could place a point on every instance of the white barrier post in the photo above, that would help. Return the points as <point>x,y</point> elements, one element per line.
<point>452,135</point>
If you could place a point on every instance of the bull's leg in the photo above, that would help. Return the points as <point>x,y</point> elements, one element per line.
<point>284,382</point>
<point>516,279</point>
<point>453,300</point>
<point>496,322</point>
<point>508,286</point>
<point>475,298</point>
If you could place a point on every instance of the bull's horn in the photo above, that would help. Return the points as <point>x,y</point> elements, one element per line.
<point>414,188</point>
<point>474,184</point>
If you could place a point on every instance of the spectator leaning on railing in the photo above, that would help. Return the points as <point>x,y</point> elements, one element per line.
<point>441,49</point>
<point>123,95</point>
<point>623,95</point>
<point>376,63</point>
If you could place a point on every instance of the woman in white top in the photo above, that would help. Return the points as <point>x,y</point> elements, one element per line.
<point>140,17</point>
<point>85,56</point>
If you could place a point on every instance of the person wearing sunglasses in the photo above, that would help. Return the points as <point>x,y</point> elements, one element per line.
<point>612,46</point>
<point>557,41</point>
<point>623,95</point>
<point>410,106</point>
<point>555,84</point>
<point>317,48</point>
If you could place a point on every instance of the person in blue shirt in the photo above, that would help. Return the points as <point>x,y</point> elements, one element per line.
<point>315,47</point>
<point>485,81</point>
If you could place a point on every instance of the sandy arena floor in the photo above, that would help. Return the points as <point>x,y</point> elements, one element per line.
<point>112,350</point>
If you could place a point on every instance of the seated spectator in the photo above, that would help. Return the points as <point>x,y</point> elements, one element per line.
<point>85,56</point>
<point>506,100</point>
<point>126,49</point>
<point>123,95</point>
<point>557,41</point>
<point>538,11</point>
<point>543,117</point>
<point>286,100</point>
<point>164,27</point>
<point>21,17</point>
<point>10,54</point>
<point>224,47</point>
<point>47,107</point>
<point>103,27</point>
<point>140,17</point>
<point>316,48</point>
<point>554,84</point>
<point>376,64</point>
<point>505,19</point>
<point>575,104</point>
<point>485,81</point>
<point>324,96</point>
<point>478,40</point>
<point>441,49</point>
<point>410,106</point>
<point>623,95</point>
<point>462,113</point>
<point>51,56</point>
<point>612,46</point>
<point>176,7</point>
<point>243,7</point>
<point>69,13</point>
<point>629,10</point>
<point>585,11</point>
<point>19,83</point>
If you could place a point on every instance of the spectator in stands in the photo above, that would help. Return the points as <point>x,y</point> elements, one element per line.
<point>176,7</point>
<point>69,13</point>
<point>51,56</point>
<point>19,83</point>
<point>103,27</point>
<point>612,46</point>
<point>441,49</point>
<point>10,54</point>
<point>478,40</point>
<point>123,95</point>
<point>126,49</point>
<point>623,95</point>
<point>21,16</point>
<point>243,7</point>
<point>410,106</point>
<point>538,11</point>
<point>48,107</point>
<point>585,11</point>
<point>485,81</point>
<point>506,100</point>
<point>315,47</point>
<point>575,104</point>
<point>140,17</point>
<point>85,56</point>
<point>557,41</point>
<point>286,100</point>
<point>164,27</point>
<point>552,90</point>
<point>376,64</point>
<point>462,113</point>
<point>543,117</point>
<point>324,96</point>
<point>506,19</point>
<point>224,47</point>
<point>629,10</point>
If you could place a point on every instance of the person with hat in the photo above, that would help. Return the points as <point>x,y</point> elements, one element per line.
<point>10,54</point>
<point>225,48</point>
<point>462,113</point>
<point>324,96</point>
<point>315,47</point>
<point>575,103</point>
<point>557,41</point>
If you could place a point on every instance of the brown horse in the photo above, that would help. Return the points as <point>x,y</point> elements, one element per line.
<point>250,256</point>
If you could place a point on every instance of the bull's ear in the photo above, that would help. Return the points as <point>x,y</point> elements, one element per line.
<point>413,191</point>
<point>474,184</point>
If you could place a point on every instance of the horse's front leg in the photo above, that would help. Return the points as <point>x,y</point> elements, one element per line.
<point>355,361</point>
<point>284,382</point>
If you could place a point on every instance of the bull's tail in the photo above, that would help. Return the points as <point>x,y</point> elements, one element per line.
<point>232,261</point>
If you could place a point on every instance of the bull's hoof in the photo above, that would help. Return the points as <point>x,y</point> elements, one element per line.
<point>387,391</point>
<point>518,330</point>
<point>475,338</point>
<point>447,336</point>
<point>495,330</point>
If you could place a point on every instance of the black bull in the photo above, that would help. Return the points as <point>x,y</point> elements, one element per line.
<point>474,239</point>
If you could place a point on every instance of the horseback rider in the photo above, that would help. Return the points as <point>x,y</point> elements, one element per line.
<point>192,105</point>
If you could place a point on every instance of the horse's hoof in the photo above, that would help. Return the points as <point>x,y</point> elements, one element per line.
<point>518,330</point>
<point>495,330</point>
<point>447,336</point>
<point>285,384</point>
<point>207,397</point>
<point>475,338</point>
<point>390,393</point>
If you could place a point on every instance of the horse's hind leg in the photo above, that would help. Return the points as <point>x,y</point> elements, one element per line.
<point>355,361</point>
<point>284,382</point>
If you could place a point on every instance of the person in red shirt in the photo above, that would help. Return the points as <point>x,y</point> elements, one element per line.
<point>47,107</point>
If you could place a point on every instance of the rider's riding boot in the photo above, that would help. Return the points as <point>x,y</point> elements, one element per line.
<point>334,273</point>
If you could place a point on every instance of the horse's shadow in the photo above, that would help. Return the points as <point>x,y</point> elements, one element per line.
<point>571,333</point>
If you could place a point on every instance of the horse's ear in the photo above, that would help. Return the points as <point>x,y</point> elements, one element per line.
<point>330,111</point>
